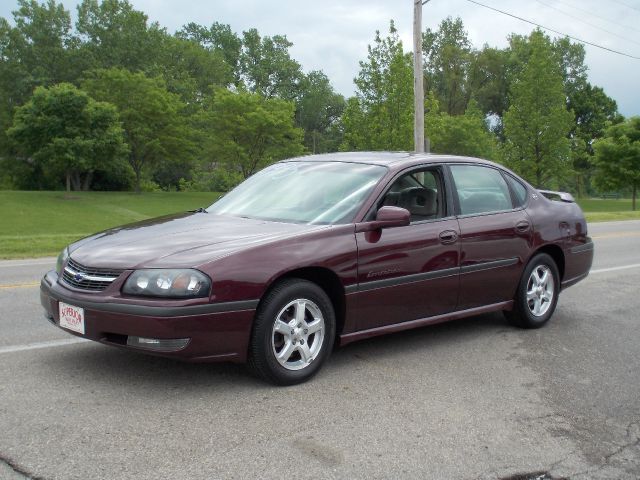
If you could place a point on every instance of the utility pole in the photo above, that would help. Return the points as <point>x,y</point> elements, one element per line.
<point>418,78</point>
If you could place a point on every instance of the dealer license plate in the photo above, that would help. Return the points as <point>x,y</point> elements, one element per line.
<point>71,318</point>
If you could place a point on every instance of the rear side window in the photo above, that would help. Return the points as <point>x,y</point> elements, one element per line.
<point>519,190</point>
<point>480,189</point>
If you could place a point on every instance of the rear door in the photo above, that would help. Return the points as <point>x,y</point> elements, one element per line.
<point>495,235</point>
<point>408,273</point>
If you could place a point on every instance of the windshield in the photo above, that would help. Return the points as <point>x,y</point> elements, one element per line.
<point>302,192</point>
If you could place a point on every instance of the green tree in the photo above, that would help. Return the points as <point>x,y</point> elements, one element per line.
<point>488,81</point>
<point>537,122</point>
<point>38,50</point>
<point>12,75</point>
<point>68,132</point>
<point>189,69</point>
<point>466,134</point>
<point>217,38</point>
<point>568,56</point>
<point>44,42</point>
<point>591,107</point>
<point>117,35</point>
<point>266,66</point>
<point>318,111</point>
<point>448,59</point>
<point>114,34</point>
<point>355,134</point>
<point>380,117</point>
<point>617,159</point>
<point>593,110</point>
<point>155,129</point>
<point>245,132</point>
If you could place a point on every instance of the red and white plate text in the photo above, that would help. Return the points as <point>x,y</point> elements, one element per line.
<point>71,318</point>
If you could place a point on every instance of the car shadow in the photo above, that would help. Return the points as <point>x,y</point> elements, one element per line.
<point>440,335</point>
<point>94,363</point>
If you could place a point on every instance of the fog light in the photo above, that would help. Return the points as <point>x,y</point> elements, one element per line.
<point>160,344</point>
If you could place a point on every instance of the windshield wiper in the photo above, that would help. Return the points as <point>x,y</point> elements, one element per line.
<point>199,210</point>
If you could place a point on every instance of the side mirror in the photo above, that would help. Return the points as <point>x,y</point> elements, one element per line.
<point>387,217</point>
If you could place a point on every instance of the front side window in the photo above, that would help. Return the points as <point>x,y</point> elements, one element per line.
<point>302,192</point>
<point>480,189</point>
<point>420,192</point>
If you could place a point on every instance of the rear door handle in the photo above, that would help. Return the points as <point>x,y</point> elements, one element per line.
<point>522,226</point>
<point>448,236</point>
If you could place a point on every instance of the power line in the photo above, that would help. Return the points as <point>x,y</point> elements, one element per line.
<point>554,31</point>
<point>587,23</point>
<point>627,5</point>
<point>589,12</point>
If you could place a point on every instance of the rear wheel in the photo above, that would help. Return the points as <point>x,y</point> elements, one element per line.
<point>293,332</point>
<point>537,293</point>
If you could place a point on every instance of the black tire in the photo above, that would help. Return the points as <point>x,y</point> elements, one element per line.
<point>523,315</point>
<point>265,340</point>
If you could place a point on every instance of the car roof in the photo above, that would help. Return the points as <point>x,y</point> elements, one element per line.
<point>394,160</point>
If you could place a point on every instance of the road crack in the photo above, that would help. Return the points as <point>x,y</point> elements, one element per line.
<point>621,448</point>
<point>608,457</point>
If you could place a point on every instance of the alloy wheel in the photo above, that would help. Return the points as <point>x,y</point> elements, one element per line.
<point>297,334</point>
<point>540,290</point>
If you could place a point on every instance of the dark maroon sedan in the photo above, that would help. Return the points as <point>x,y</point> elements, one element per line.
<point>320,250</point>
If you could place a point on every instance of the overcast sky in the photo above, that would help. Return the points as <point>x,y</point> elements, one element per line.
<point>332,35</point>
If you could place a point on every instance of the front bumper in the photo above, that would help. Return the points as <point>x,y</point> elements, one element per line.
<point>216,331</point>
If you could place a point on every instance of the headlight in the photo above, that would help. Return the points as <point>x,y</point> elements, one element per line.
<point>62,258</point>
<point>168,283</point>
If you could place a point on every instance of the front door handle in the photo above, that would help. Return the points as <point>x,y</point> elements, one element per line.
<point>448,236</point>
<point>522,226</point>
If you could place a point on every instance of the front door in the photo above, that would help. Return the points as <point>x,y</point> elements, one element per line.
<point>408,273</point>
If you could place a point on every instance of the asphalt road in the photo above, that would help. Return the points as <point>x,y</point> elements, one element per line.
<point>472,399</point>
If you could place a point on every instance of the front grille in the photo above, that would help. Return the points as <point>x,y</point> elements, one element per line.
<point>88,278</point>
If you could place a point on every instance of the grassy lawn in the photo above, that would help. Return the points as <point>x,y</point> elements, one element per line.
<point>604,210</point>
<point>37,224</point>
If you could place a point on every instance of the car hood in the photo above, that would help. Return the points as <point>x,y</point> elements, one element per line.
<point>186,240</point>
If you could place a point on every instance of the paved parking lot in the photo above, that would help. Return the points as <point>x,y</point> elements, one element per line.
<point>471,399</point>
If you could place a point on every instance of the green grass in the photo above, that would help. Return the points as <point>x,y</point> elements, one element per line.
<point>611,216</point>
<point>605,210</point>
<point>37,224</point>
<point>604,205</point>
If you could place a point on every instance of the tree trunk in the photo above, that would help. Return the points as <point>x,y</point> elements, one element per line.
<point>87,181</point>
<point>68,182</point>
<point>580,185</point>
<point>138,175</point>
<point>136,163</point>
<point>633,199</point>
<point>75,180</point>
<point>538,161</point>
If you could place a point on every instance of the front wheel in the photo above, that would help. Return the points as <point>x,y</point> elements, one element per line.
<point>293,332</point>
<point>537,293</point>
